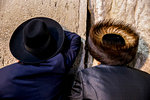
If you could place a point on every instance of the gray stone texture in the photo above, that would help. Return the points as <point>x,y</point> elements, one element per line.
<point>133,12</point>
<point>72,15</point>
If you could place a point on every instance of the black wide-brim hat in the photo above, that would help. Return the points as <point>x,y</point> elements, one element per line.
<point>18,49</point>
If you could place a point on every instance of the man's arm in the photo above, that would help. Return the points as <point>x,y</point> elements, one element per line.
<point>77,89</point>
<point>71,48</point>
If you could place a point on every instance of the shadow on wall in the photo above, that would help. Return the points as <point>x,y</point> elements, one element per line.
<point>79,63</point>
<point>141,56</point>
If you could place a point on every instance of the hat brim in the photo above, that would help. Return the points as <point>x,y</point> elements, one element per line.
<point>17,42</point>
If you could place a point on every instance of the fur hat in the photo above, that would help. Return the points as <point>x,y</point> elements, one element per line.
<point>112,43</point>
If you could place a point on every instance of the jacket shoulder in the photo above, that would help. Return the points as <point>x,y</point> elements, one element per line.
<point>89,72</point>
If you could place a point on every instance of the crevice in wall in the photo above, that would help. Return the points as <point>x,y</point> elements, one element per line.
<point>88,25</point>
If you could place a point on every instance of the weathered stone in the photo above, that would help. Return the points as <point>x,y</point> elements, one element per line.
<point>134,12</point>
<point>72,14</point>
<point>69,13</point>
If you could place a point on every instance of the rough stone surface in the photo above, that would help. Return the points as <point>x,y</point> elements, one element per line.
<point>71,14</point>
<point>134,12</point>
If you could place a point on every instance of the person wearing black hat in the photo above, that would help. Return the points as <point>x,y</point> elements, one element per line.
<point>46,53</point>
<point>114,45</point>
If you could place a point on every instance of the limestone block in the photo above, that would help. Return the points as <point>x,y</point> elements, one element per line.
<point>14,12</point>
<point>134,12</point>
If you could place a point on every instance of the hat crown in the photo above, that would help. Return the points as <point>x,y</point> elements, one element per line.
<point>36,34</point>
<point>113,40</point>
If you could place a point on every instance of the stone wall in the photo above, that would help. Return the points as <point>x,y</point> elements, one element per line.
<point>133,12</point>
<point>77,16</point>
<point>71,14</point>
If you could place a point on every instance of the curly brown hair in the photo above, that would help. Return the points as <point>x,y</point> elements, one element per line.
<point>113,43</point>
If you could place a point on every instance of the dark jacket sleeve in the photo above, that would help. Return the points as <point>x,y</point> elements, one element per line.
<point>71,47</point>
<point>77,89</point>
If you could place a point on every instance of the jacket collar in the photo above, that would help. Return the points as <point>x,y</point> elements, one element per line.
<point>103,65</point>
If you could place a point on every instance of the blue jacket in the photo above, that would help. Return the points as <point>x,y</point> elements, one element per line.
<point>44,81</point>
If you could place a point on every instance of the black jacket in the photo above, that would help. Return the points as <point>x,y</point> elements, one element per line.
<point>111,83</point>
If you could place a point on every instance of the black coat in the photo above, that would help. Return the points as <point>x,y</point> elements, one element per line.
<point>111,83</point>
<point>43,81</point>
